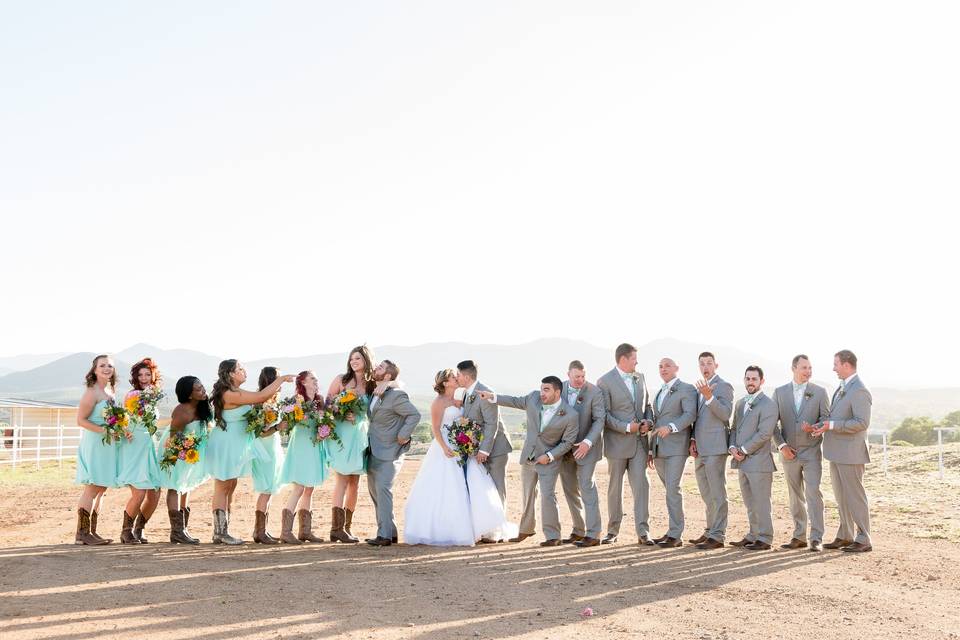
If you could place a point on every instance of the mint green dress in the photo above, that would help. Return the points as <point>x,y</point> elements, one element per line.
<point>230,450</point>
<point>349,460</point>
<point>304,463</point>
<point>265,466</point>
<point>137,459</point>
<point>182,476</point>
<point>96,462</point>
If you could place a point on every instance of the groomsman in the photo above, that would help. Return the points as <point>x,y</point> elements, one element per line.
<point>551,431</point>
<point>754,419</point>
<point>845,446</point>
<point>392,421</point>
<point>799,403</point>
<point>626,443</point>
<point>496,446</point>
<point>708,446</point>
<point>577,466</point>
<point>674,411</point>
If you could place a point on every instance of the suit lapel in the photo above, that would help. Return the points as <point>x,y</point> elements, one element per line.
<point>379,402</point>
<point>537,416</point>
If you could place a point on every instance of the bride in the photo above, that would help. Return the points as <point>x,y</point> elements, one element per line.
<point>450,505</point>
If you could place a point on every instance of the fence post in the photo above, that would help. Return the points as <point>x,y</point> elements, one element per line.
<point>884,454</point>
<point>36,443</point>
<point>940,450</point>
<point>59,440</point>
<point>16,443</point>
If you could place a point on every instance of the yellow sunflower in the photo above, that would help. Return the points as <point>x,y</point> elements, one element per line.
<point>192,456</point>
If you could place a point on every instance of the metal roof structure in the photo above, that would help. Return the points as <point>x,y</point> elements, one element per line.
<point>21,403</point>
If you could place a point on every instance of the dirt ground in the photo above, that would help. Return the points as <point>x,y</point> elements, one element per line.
<point>908,587</point>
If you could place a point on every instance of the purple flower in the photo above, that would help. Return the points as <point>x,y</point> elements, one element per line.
<point>182,455</point>
<point>323,431</point>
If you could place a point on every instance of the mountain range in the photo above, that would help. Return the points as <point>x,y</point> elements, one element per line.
<point>510,369</point>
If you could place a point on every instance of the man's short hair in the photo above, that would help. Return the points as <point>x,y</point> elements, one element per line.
<point>706,354</point>
<point>576,364</point>
<point>754,367</point>
<point>468,367</point>
<point>624,350</point>
<point>847,356</point>
<point>554,381</point>
<point>797,358</point>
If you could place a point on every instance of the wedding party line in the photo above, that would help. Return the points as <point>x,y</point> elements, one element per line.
<point>364,424</point>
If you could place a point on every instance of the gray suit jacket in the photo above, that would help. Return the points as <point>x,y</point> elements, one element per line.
<point>592,415</point>
<point>621,410</point>
<point>813,409</point>
<point>557,436</point>
<point>487,415</point>
<point>753,433</point>
<point>713,420</point>
<point>680,408</point>
<point>846,443</point>
<point>394,417</point>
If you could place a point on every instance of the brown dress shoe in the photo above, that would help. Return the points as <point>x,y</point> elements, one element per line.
<point>574,537</point>
<point>858,547</point>
<point>661,538</point>
<point>699,540</point>
<point>645,541</point>
<point>670,543</point>
<point>741,543</point>
<point>552,542</point>
<point>757,546</point>
<point>838,544</point>
<point>587,542</point>
<point>610,538</point>
<point>710,544</point>
<point>816,545</point>
<point>794,543</point>
<point>520,537</point>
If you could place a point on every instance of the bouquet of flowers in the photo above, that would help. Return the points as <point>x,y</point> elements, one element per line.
<point>347,401</point>
<point>181,446</point>
<point>327,428</point>
<point>464,436</point>
<point>142,405</point>
<point>116,420</point>
<point>294,410</point>
<point>261,417</point>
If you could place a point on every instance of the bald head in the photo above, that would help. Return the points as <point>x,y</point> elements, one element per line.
<point>668,369</point>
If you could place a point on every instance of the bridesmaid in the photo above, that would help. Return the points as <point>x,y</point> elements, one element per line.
<point>348,462</point>
<point>264,468</point>
<point>96,462</point>
<point>230,447</point>
<point>304,466</point>
<point>193,415</point>
<point>139,468</point>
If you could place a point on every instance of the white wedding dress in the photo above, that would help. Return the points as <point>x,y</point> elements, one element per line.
<point>449,508</point>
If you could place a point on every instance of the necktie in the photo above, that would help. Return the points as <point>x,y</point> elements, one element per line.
<point>661,396</point>
<point>798,399</point>
<point>631,383</point>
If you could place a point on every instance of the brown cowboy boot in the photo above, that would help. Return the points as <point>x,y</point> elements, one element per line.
<point>177,533</point>
<point>337,532</point>
<point>286,528</point>
<point>83,530</point>
<point>185,514</point>
<point>347,521</point>
<point>138,524</point>
<point>305,533</point>
<point>93,528</point>
<point>266,534</point>
<point>260,534</point>
<point>126,532</point>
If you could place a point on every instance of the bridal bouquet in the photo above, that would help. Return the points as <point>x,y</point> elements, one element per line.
<point>116,420</point>
<point>347,401</point>
<point>181,446</point>
<point>464,437</point>
<point>326,427</point>
<point>142,405</point>
<point>261,417</point>
<point>293,411</point>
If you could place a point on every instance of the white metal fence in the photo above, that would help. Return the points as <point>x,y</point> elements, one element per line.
<point>34,445</point>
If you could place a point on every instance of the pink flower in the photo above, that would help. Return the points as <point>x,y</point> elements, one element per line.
<point>463,438</point>
<point>586,613</point>
<point>323,431</point>
<point>182,455</point>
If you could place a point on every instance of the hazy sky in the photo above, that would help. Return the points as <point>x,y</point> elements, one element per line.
<point>261,179</point>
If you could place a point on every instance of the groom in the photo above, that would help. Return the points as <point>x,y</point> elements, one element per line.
<point>495,448</point>
<point>392,421</point>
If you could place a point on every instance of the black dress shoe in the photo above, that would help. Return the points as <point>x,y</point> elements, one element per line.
<point>670,543</point>
<point>610,538</point>
<point>574,537</point>
<point>699,540</point>
<point>379,542</point>
<point>521,537</point>
<point>858,547</point>
<point>816,545</point>
<point>741,543</point>
<point>552,542</point>
<point>710,544</point>
<point>587,542</point>
<point>838,544</point>
<point>757,546</point>
<point>395,540</point>
<point>645,541</point>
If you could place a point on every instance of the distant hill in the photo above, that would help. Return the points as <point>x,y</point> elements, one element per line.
<point>510,369</point>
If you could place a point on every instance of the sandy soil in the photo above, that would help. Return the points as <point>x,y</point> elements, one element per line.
<point>908,587</point>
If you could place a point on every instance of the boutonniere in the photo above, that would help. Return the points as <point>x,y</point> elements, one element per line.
<point>579,398</point>
<point>808,394</point>
<point>561,412</point>
<point>472,397</point>
<point>672,389</point>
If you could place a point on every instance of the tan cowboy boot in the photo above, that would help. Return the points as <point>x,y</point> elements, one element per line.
<point>305,533</point>
<point>286,528</point>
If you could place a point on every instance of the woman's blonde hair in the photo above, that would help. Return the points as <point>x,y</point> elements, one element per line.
<point>442,376</point>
